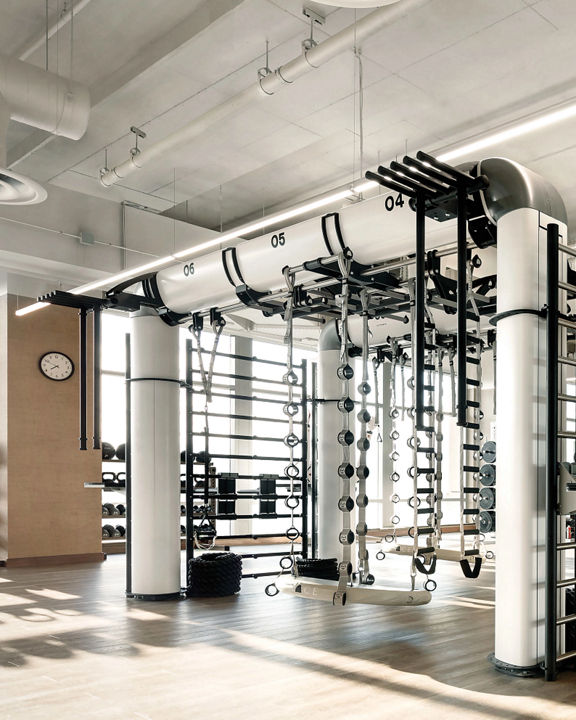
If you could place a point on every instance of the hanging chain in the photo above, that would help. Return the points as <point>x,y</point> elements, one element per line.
<point>439,441</point>
<point>345,439</point>
<point>394,435</point>
<point>363,446</point>
<point>291,440</point>
<point>470,434</point>
<point>413,471</point>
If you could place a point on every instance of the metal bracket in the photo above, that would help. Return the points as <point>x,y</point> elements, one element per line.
<point>137,134</point>
<point>315,19</point>
<point>314,16</point>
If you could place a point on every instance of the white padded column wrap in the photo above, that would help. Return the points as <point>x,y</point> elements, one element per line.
<point>155,457</point>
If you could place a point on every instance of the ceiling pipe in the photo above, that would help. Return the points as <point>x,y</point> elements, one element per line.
<point>43,99</point>
<point>268,85</point>
<point>30,46</point>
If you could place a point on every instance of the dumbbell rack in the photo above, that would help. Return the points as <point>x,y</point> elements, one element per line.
<point>113,545</point>
<point>197,440</point>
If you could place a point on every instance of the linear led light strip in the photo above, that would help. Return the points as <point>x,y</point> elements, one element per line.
<point>196,249</point>
<point>523,128</point>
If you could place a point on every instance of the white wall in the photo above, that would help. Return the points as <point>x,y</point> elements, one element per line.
<point>62,260</point>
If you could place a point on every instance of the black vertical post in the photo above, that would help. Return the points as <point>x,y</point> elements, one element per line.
<point>420,293</point>
<point>304,463</point>
<point>97,371</point>
<point>461,303</point>
<point>83,438</point>
<point>551,452</point>
<point>128,469</point>
<point>314,481</point>
<point>189,457</point>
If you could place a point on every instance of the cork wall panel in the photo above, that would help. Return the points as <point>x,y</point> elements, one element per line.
<point>49,511</point>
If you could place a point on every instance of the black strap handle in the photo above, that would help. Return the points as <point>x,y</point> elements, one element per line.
<point>471,572</point>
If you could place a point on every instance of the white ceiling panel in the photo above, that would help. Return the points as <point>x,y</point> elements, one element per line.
<point>442,73</point>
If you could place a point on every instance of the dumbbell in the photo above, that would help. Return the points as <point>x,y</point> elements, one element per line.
<point>108,451</point>
<point>182,529</point>
<point>112,509</point>
<point>121,530</point>
<point>105,510</point>
<point>182,509</point>
<point>487,521</point>
<point>487,498</point>
<point>109,531</point>
<point>121,509</point>
<point>121,451</point>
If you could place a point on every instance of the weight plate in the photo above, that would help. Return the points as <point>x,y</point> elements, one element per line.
<point>345,437</point>
<point>487,498</point>
<point>345,470</point>
<point>487,521</point>
<point>488,475</point>
<point>345,372</point>
<point>488,451</point>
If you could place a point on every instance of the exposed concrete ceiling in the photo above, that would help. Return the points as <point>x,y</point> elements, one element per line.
<point>444,73</point>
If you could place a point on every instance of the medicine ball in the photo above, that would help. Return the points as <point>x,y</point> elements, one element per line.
<point>108,451</point>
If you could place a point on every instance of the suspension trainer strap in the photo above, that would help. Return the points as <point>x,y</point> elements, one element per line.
<point>207,375</point>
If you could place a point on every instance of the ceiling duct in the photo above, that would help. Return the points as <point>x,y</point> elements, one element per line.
<point>44,100</point>
<point>267,85</point>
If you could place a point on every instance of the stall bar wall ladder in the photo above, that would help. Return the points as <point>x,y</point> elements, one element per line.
<point>558,503</point>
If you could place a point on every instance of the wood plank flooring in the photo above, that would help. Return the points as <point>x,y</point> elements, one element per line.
<point>72,647</point>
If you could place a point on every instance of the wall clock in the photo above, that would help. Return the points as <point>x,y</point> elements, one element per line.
<point>56,366</point>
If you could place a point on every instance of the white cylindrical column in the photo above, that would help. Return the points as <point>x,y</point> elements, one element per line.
<point>155,458</point>
<point>329,451</point>
<point>520,442</point>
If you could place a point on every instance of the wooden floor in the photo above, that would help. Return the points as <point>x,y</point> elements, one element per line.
<point>73,647</point>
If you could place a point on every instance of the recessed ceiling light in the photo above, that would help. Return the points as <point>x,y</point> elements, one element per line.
<point>17,189</point>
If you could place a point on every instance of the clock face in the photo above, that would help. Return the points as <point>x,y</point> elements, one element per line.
<point>56,366</point>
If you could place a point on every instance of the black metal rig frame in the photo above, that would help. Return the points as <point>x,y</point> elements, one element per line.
<point>205,494</point>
